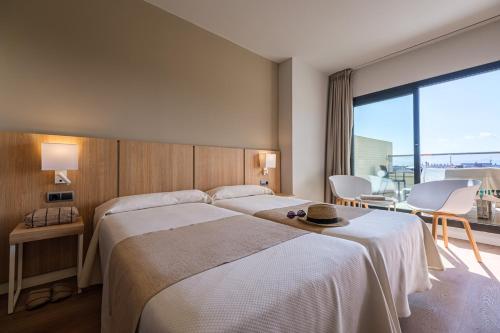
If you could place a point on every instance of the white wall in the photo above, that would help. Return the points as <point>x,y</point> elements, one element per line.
<point>302,119</point>
<point>468,49</point>
<point>285,124</point>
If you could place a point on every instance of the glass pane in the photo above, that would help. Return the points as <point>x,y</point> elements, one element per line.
<point>459,123</point>
<point>383,146</point>
<point>460,135</point>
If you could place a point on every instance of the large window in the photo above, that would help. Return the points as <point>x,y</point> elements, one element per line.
<point>440,128</point>
<point>382,130</point>
<point>460,123</point>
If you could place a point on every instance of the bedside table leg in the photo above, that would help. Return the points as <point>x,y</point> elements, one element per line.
<point>80,261</point>
<point>12,264</point>
<point>19,284</point>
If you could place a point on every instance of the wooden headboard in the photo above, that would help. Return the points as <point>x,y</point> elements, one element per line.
<point>107,168</point>
<point>218,166</point>
<point>147,167</point>
<point>24,187</point>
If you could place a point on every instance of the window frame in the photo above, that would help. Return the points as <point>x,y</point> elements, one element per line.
<point>413,88</point>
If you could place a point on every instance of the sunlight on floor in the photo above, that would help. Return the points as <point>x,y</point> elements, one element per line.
<point>464,298</point>
<point>459,255</point>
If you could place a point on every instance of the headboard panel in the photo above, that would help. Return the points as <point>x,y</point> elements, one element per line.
<point>147,167</point>
<point>253,169</point>
<point>107,168</point>
<point>218,166</point>
<point>24,186</point>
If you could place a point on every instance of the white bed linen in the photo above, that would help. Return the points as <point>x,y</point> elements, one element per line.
<point>311,283</point>
<point>395,241</point>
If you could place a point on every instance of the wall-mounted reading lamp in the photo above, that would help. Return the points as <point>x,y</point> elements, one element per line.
<point>267,161</point>
<point>60,157</point>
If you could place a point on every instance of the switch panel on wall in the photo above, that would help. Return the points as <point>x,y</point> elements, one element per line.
<point>264,182</point>
<point>60,196</point>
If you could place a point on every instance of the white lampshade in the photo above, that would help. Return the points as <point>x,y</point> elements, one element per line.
<point>270,161</point>
<point>59,156</point>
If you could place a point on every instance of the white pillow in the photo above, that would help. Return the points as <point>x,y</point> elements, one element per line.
<point>237,191</point>
<point>143,201</point>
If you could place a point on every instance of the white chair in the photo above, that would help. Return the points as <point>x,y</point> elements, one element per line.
<point>446,199</point>
<point>347,188</point>
<point>381,185</point>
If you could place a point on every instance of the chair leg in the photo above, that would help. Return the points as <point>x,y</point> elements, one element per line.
<point>348,203</point>
<point>445,230</point>
<point>434,226</point>
<point>472,241</point>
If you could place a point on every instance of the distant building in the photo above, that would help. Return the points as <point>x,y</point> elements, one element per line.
<point>370,154</point>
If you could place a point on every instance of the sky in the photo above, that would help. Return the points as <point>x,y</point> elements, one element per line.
<point>456,116</point>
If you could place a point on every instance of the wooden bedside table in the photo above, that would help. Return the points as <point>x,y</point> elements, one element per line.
<point>22,234</point>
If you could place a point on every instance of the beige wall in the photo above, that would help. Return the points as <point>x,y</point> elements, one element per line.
<point>302,118</point>
<point>468,49</point>
<point>130,70</point>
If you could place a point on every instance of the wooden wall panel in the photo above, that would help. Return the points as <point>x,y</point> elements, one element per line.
<point>148,167</point>
<point>253,170</point>
<point>217,166</point>
<point>106,169</point>
<point>23,187</point>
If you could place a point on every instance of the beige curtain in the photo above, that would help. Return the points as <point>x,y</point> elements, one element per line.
<point>338,128</point>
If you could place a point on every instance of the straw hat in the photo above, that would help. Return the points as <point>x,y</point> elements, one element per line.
<point>324,215</point>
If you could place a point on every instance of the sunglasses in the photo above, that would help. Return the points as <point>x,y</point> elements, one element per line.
<point>291,214</point>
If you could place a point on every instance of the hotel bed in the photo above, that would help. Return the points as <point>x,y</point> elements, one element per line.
<point>306,283</point>
<point>400,245</point>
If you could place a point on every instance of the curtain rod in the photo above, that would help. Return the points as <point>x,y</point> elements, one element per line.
<point>430,41</point>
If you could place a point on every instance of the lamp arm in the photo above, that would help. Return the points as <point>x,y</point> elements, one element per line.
<point>63,175</point>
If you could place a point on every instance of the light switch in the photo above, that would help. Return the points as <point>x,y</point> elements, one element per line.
<point>60,196</point>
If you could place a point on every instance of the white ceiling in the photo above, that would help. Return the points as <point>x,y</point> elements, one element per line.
<point>330,34</point>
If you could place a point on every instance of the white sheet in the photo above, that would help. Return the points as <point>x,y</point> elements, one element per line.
<point>398,243</point>
<point>311,283</point>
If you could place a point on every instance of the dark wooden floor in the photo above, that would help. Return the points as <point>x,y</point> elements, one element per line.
<point>79,313</point>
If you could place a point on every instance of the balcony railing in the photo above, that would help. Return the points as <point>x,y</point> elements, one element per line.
<point>488,159</point>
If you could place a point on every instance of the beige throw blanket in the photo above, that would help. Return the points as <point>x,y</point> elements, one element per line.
<point>279,215</point>
<point>143,265</point>
<point>348,213</point>
<point>400,246</point>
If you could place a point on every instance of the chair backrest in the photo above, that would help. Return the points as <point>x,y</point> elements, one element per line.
<point>454,196</point>
<point>349,186</point>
